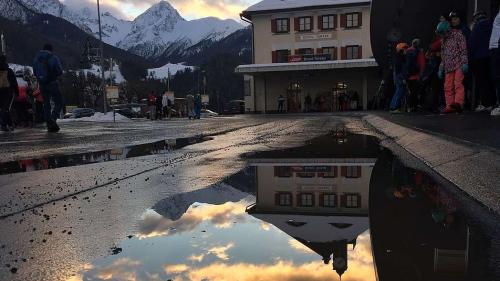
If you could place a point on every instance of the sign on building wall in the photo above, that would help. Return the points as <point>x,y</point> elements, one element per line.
<point>306,58</point>
<point>112,92</point>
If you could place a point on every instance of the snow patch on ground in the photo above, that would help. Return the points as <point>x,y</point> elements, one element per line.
<point>98,117</point>
<point>16,67</point>
<point>162,72</point>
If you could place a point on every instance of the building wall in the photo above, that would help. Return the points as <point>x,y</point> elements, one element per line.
<point>269,86</point>
<point>269,185</point>
<point>266,41</point>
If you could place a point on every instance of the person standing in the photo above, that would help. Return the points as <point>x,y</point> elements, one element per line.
<point>399,78</point>
<point>47,68</point>
<point>152,105</point>
<point>453,66</point>
<point>159,107</point>
<point>8,90</point>
<point>197,106</point>
<point>190,106</point>
<point>281,104</point>
<point>165,105</point>
<point>415,65</point>
<point>495,61</point>
<point>307,103</point>
<point>480,61</point>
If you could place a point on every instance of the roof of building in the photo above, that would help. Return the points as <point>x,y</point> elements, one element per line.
<point>301,66</point>
<point>276,5</point>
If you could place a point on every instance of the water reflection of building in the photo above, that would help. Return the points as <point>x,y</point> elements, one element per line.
<point>318,194</point>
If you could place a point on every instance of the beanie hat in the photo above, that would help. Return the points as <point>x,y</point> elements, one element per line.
<point>443,27</point>
<point>402,46</point>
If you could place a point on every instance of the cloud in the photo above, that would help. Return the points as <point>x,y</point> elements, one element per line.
<point>195,258</point>
<point>299,246</point>
<point>221,251</point>
<point>175,268</point>
<point>190,9</point>
<point>123,269</point>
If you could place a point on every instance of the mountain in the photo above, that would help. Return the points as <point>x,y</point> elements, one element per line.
<point>159,31</point>
<point>30,30</point>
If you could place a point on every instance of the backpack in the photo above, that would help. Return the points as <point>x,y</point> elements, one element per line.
<point>43,71</point>
<point>4,79</point>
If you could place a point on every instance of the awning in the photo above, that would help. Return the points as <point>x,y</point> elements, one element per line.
<point>305,66</point>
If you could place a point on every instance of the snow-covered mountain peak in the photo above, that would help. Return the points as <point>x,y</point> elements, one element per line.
<point>161,17</point>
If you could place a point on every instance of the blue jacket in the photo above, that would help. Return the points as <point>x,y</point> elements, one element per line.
<point>479,41</point>
<point>54,64</point>
<point>400,71</point>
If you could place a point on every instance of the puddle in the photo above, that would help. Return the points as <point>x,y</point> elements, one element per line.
<point>60,161</point>
<point>339,208</point>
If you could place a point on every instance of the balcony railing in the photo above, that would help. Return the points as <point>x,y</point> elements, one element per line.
<point>309,58</point>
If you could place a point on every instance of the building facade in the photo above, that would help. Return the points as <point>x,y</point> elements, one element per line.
<point>316,55</point>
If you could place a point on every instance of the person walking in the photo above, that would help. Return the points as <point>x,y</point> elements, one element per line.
<point>453,66</point>
<point>152,105</point>
<point>495,61</point>
<point>159,107</point>
<point>281,104</point>
<point>480,61</point>
<point>47,68</point>
<point>165,102</point>
<point>8,91</point>
<point>415,65</point>
<point>399,73</point>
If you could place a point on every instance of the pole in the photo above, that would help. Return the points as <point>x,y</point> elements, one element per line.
<point>103,82</point>
<point>2,39</point>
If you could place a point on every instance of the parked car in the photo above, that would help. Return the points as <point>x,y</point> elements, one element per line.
<point>80,113</point>
<point>235,107</point>
<point>130,110</point>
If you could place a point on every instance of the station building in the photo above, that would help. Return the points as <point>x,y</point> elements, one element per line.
<point>319,49</point>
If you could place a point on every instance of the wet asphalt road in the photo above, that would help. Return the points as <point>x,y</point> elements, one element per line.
<point>55,222</point>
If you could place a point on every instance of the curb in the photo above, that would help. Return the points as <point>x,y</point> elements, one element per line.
<point>473,169</point>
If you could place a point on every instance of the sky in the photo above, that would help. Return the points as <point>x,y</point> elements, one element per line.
<point>189,9</point>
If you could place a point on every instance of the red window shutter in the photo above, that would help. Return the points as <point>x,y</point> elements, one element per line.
<point>360,19</point>
<point>312,23</point>
<point>274,26</point>
<point>275,58</point>
<point>359,201</point>
<point>277,199</point>
<point>335,57</point>
<point>343,20</point>
<point>314,200</point>
<point>343,200</point>
<point>296,52</point>
<point>360,52</point>
<point>359,171</point>
<point>335,18</point>
<point>335,169</point>
<point>296,24</point>
<point>298,200</point>
<point>343,53</point>
<point>322,200</point>
<point>343,171</point>
<point>319,51</point>
<point>320,22</point>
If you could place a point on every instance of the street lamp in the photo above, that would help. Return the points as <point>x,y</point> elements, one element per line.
<point>103,82</point>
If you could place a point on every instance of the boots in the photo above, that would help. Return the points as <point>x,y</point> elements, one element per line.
<point>52,127</point>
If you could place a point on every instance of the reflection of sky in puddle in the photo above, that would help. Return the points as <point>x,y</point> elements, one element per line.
<point>220,242</point>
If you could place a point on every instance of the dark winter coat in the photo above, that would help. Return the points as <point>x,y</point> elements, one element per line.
<point>400,72</point>
<point>479,41</point>
<point>54,64</point>
<point>11,78</point>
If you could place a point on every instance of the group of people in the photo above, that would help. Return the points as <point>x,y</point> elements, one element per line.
<point>162,106</point>
<point>35,99</point>
<point>460,60</point>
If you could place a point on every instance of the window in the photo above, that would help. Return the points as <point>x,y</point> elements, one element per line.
<point>284,199</point>
<point>282,56</point>
<point>328,22</point>
<point>332,51</point>
<point>353,172</point>
<point>305,51</point>
<point>283,172</point>
<point>353,201</point>
<point>306,200</point>
<point>282,25</point>
<point>352,20</point>
<point>329,200</point>
<point>305,24</point>
<point>352,52</point>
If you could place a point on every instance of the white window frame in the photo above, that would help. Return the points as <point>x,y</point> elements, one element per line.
<point>351,201</point>
<point>282,25</point>
<point>285,199</point>
<point>307,198</point>
<point>350,52</point>
<point>331,198</point>
<point>305,24</point>
<point>352,20</point>
<point>329,23</point>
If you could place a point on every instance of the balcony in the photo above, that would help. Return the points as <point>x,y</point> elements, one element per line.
<point>309,58</point>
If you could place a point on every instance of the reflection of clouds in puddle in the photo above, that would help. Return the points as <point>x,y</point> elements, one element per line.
<point>123,269</point>
<point>221,251</point>
<point>299,246</point>
<point>196,258</point>
<point>175,268</point>
<point>265,226</point>
<point>281,270</point>
<point>153,224</point>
